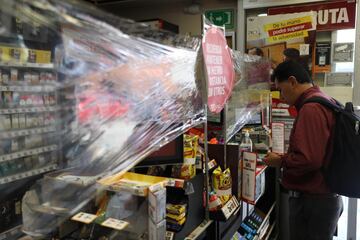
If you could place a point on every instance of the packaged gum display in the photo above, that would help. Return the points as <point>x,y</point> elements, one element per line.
<point>179,222</point>
<point>175,208</point>
<point>175,216</point>
<point>222,184</point>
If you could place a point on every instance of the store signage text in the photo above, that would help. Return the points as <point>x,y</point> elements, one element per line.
<point>330,15</point>
<point>288,29</point>
<point>219,68</point>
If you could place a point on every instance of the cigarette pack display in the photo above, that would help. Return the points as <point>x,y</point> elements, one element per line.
<point>27,77</point>
<point>28,163</point>
<point>22,120</point>
<point>46,99</point>
<point>53,157</point>
<point>14,74</point>
<point>5,121</point>
<point>35,161</point>
<point>32,56</point>
<point>43,77</point>
<point>5,78</point>
<point>41,160</point>
<point>16,98</point>
<point>35,78</point>
<point>14,145</point>
<point>5,169</point>
<point>5,146</point>
<point>15,121</point>
<point>7,99</point>
<point>29,120</point>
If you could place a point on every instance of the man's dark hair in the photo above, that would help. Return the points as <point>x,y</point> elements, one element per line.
<point>291,68</point>
<point>291,53</point>
<point>259,51</point>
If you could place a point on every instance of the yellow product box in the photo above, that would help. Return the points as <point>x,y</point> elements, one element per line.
<point>13,54</point>
<point>43,56</point>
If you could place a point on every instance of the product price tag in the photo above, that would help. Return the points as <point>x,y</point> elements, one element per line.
<point>230,207</point>
<point>169,235</point>
<point>212,164</point>
<point>115,224</point>
<point>84,217</point>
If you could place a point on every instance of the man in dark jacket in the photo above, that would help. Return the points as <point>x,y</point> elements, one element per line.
<point>314,210</point>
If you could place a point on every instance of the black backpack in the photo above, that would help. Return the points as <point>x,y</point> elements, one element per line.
<point>343,171</point>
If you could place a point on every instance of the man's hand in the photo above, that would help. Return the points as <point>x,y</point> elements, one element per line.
<point>272,159</point>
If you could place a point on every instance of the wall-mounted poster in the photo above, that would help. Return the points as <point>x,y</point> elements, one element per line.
<point>322,57</point>
<point>273,34</point>
<point>343,52</point>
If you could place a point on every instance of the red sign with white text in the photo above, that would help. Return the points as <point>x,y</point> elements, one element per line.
<point>332,15</point>
<point>220,69</point>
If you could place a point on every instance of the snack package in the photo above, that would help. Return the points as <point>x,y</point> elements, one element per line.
<point>221,182</point>
<point>188,169</point>
<point>176,222</point>
<point>175,217</point>
<point>175,209</point>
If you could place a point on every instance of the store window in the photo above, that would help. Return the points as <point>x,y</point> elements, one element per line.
<point>343,36</point>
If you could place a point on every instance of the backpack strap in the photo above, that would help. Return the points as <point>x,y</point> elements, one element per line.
<point>337,106</point>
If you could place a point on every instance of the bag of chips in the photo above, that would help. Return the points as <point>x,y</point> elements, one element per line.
<point>221,181</point>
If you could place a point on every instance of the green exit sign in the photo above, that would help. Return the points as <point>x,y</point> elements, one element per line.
<point>221,17</point>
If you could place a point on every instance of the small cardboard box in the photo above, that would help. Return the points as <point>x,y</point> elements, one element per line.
<point>253,178</point>
<point>157,231</point>
<point>157,203</point>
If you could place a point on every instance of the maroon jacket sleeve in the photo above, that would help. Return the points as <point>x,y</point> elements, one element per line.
<point>309,141</point>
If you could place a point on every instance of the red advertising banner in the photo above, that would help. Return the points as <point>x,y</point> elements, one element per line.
<point>220,69</point>
<point>332,15</point>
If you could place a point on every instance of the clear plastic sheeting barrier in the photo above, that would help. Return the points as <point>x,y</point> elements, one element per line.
<point>119,92</point>
<point>250,99</point>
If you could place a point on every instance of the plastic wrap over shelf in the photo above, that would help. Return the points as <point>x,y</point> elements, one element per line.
<point>251,94</point>
<point>128,91</point>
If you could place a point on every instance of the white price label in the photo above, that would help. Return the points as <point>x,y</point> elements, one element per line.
<point>169,235</point>
<point>230,207</point>
<point>115,224</point>
<point>84,217</point>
